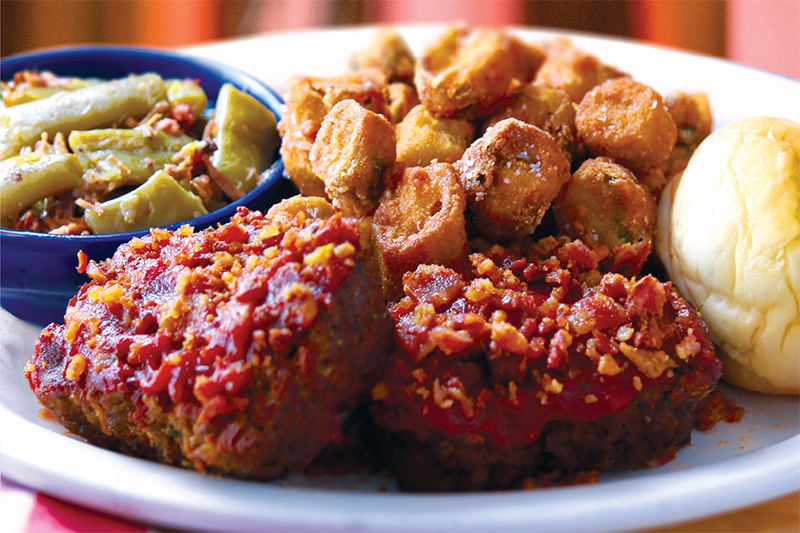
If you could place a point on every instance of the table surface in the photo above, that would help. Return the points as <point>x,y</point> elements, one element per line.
<point>23,510</point>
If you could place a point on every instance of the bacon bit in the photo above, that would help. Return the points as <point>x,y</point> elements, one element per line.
<point>557,352</point>
<point>591,349</point>
<point>424,313</point>
<point>536,347</point>
<point>71,332</point>
<point>647,294</point>
<point>580,321</point>
<point>541,396</point>
<point>483,398</point>
<point>649,362</point>
<point>433,284</point>
<point>546,324</point>
<point>117,163</point>
<point>174,359</point>
<point>482,264</point>
<point>714,408</point>
<point>168,125</point>
<point>688,347</point>
<point>512,392</point>
<point>423,392</point>
<point>160,237</point>
<point>306,308</point>
<point>479,290</point>
<point>440,395</point>
<point>624,333</point>
<point>278,337</point>
<point>185,230</point>
<point>268,232</point>
<point>420,375</point>
<point>449,340</point>
<point>320,256</point>
<point>608,366</point>
<point>508,338</point>
<point>88,206</point>
<point>344,250</point>
<point>551,385</point>
<point>453,391</point>
<point>83,262</point>
<point>75,367</point>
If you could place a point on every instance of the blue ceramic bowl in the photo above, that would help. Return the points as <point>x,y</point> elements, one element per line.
<point>39,274</point>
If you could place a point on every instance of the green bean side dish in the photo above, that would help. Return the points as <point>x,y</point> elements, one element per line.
<point>88,156</point>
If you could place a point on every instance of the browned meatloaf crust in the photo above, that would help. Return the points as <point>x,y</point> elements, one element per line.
<point>541,366</point>
<point>235,350</point>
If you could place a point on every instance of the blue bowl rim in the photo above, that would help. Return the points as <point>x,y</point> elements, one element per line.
<point>243,80</point>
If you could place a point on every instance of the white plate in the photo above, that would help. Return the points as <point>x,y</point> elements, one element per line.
<point>726,468</point>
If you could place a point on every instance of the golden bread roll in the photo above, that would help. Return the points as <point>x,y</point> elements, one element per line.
<point>729,236</point>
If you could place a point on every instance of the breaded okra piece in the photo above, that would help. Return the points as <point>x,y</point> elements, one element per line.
<point>352,151</point>
<point>420,221</point>
<point>465,71</point>
<point>628,121</point>
<point>511,175</point>
<point>603,204</point>
<point>423,138</point>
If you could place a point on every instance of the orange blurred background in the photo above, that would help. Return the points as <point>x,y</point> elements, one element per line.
<point>760,33</point>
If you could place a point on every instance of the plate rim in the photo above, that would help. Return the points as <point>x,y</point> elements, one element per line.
<point>767,473</point>
<point>782,458</point>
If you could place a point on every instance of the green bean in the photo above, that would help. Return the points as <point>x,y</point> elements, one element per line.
<point>120,156</point>
<point>29,93</point>
<point>246,139</point>
<point>26,179</point>
<point>94,106</point>
<point>159,201</point>
<point>187,92</point>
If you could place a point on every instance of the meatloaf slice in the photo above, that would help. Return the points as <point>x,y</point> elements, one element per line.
<point>236,350</point>
<point>538,366</point>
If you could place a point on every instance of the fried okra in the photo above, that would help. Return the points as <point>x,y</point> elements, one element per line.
<point>387,52</point>
<point>547,108</point>
<point>237,350</point>
<point>308,100</point>
<point>304,206</point>
<point>511,175</point>
<point>572,70</point>
<point>605,205</point>
<point>465,71</point>
<point>351,152</point>
<point>692,115</point>
<point>402,99</point>
<point>528,58</point>
<point>423,138</point>
<point>626,120</point>
<point>420,221</point>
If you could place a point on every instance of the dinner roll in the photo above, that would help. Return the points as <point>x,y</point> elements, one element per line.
<point>729,236</point>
